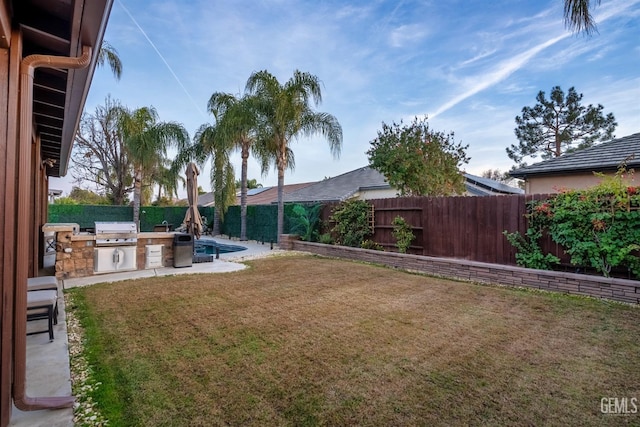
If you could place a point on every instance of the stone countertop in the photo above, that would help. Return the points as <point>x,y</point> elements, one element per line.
<point>145,235</point>
<point>61,227</point>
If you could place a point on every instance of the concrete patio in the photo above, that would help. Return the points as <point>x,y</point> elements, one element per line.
<point>48,372</point>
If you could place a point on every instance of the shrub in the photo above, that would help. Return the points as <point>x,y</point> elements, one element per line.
<point>352,222</point>
<point>402,233</point>
<point>325,239</point>
<point>370,244</point>
<point>598,227</point>
<point>304,221</point>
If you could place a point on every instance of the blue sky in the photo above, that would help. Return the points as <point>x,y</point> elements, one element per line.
<point>469,65</point>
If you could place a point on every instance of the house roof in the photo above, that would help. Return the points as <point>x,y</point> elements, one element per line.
<point>60,28</point>
<point>269,195</point>
<point>479,186</point>
<point>256,196</point>
<point>343,186</point>
<point>340,187</point>
<point>599,158</point>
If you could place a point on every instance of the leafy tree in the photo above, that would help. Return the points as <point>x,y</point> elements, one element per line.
<point>495,174</point>
<point>558,125</point>
<point>147,141</point>
<point>577,16</point>
<point>87,197</point>
<point>418,161</point>
<point>285,113</point>
<point>99,153</point>
<point>65,201</point>
<point>109,55</point>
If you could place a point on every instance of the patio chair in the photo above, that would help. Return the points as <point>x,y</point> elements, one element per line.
<point>44,283</point>
<point>43,305</point>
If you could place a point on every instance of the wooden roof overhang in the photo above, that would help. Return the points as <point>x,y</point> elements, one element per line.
<point>60,28</point>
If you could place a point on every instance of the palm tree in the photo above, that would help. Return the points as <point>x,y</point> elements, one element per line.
<point>209,144</point>
<point>109,55</point>
<point>147,141</point>
<point>577,16</point>
<point>251,184</point>
<point>237,122</point>
<point>167,179</point>
<point>284,114</point>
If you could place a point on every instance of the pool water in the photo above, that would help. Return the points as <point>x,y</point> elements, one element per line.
<point>208,247</point>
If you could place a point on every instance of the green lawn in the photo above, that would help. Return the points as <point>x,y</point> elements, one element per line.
<point>303,340</point>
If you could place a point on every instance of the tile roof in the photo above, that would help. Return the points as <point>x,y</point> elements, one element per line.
<point>602,157</point>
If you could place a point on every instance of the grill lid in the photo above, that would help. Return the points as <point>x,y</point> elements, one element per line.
<point>115,227</point>
<point>116,233</point>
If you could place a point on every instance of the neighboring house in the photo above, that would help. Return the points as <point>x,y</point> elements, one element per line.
<point>367,183</point>
<point>256,196</point>
<point>268,195</point>
<point>479,186</point>
<point>205,199</point>
<point>576,170</point>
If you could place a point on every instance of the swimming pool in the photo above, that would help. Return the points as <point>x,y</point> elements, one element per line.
<point>208,247</point>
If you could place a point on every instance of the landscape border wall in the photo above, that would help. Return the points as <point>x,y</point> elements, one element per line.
<point>622,290</point>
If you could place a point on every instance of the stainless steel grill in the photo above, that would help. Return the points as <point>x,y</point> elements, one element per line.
<point>116,233</point>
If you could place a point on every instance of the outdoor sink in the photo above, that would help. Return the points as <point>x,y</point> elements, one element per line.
<point>162,228</point>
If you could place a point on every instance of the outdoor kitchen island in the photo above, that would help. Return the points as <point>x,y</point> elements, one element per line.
<point>113,247</point>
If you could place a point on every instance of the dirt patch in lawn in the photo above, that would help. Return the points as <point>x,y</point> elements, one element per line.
<point>313,341</point>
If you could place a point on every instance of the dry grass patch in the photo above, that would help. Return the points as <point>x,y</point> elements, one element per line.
<point>314,341</point>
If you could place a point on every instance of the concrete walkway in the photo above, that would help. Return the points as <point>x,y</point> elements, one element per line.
<point>48,372</point>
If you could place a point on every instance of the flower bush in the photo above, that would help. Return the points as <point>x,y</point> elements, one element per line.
<point>598,227</point>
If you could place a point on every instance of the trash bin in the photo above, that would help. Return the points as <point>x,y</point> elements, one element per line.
<point>182,250</point>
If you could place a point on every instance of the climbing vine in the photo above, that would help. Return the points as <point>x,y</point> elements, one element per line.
<point>598,227</point>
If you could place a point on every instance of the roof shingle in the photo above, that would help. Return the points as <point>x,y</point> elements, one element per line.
<point>602,157</point>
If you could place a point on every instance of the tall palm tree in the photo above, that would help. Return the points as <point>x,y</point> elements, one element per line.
<point>109,55</point>
<point>237,122</point>
<point>285,113</point>
<point>147,141</point>
<point>209,145</point>
<point>577,16</point>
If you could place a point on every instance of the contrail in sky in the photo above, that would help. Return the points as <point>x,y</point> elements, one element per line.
<point>163,60</point>
<point>509,66</point>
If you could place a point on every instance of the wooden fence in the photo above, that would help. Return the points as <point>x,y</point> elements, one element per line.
<point>460,227</point>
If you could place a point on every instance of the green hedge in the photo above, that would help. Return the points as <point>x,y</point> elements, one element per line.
<point>87,215</point>
<point>262,220</point>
